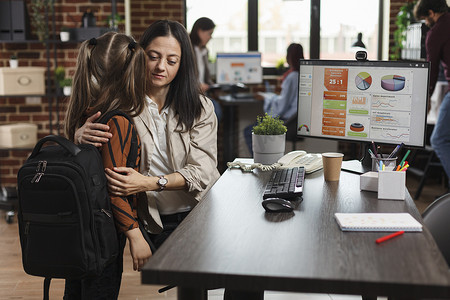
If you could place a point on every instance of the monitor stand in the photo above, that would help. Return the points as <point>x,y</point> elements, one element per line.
<point>359,166</point>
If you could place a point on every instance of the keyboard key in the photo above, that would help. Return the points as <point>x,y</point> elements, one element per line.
<point>285,183</point>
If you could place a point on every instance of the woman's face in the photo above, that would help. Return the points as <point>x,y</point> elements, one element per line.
<point>205,36</point>
<point>164,55</point>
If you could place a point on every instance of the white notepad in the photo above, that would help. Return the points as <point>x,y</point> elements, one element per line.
<point>377,222</point>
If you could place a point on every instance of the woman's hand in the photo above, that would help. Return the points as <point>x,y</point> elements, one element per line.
<point>123,181</point>
<point>93,133</point>
<point>139,248</point>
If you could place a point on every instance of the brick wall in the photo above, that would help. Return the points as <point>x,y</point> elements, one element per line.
<point>69,13</point>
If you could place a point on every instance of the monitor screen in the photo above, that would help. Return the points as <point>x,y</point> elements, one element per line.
<point>234,68</point>
<point>363,101</point>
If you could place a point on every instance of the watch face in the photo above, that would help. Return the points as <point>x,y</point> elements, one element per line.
<point>162,181</point>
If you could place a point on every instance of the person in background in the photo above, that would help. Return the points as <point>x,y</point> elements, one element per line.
<point>200,35</point>
<point>284,105</point>
<point>437,44</point>
<point>178,131</point>
<point>109,77</point>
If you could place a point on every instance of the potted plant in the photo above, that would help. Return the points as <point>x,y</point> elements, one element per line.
<point>64,82</point>
<point>13,62</point>
<point>64,34</point>
<point>38,19</point>
<point>268,139</point>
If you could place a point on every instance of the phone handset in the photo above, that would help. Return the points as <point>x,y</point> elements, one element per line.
<point>311,161</point>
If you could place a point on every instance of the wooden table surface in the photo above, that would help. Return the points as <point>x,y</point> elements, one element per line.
<point>229,241</point>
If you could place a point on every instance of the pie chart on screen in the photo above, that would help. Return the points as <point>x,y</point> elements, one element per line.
<point>363,81</point>
<point>393,82</point>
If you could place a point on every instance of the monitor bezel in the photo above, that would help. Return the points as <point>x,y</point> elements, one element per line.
<point>378,63</point>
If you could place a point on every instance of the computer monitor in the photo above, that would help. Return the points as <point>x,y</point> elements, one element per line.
<point>363,101</point>
<point>233,68</point>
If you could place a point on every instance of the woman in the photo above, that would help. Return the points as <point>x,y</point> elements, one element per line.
<point>108,77</point>
<point>285,104</point>
<point>200,35</point>
<point>178,131</point>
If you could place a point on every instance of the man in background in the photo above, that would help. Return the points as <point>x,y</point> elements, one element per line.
<point>437,43</point>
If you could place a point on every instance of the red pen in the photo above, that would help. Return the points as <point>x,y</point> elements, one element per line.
<point>388,237</point>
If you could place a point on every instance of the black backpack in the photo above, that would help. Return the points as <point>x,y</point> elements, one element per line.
<point>66,225</point>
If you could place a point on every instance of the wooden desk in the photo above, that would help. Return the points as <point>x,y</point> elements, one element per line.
<point>229,241</point>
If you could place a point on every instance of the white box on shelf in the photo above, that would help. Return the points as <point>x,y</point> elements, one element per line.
<point>18,135</point>
<point>392,185</point>
<point>368,181</point>
<point>22,81</point>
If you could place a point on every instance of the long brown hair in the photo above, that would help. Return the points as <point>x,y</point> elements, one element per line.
<point>111,73</point>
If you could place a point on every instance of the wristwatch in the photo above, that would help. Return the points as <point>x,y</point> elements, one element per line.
<point>162,182</point>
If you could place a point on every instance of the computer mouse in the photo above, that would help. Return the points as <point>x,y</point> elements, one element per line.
<point>277,205</point>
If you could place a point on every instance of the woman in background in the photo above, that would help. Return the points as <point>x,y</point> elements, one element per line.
<point>285,104</point>
<point>200,35</point>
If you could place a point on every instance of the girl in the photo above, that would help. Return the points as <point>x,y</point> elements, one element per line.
<point>109,77</point>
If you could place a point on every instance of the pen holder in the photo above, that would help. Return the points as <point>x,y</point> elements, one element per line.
<point>389,163</point>
<point>391,185</point>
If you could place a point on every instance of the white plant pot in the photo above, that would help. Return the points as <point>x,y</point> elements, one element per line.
<point>268,149</point>
<point>13,63</point>
<point>67,90</point>
<point>65,36</point>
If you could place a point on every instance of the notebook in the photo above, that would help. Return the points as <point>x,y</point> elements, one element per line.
<point>377,222</point>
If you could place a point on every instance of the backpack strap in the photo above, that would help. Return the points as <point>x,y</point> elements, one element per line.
<point>132,156</point>
<point>47,288</point>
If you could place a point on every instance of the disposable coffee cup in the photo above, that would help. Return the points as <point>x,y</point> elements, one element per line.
<point>332,163</point>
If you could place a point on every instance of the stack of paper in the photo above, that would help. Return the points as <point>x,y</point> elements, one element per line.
<point>377,222</point>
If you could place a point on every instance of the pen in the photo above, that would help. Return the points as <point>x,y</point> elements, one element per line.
<point>374,149</point>
<point>388,237</point>
<point>371,154</point>
<point>393,153</point>
<point>404,158</point>
<point>404,168</point>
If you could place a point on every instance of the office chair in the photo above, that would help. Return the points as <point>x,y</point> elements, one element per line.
<point>436,218</point>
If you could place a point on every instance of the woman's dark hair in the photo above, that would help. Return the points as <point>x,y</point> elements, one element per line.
<point>293,55</point>
<point>184,90</point>
<point>201,24</point>
<point>421,9</point>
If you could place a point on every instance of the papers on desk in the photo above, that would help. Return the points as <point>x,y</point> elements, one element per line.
<point>377,222</point>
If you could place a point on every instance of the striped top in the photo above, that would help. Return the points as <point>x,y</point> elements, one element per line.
<point>115,154</point>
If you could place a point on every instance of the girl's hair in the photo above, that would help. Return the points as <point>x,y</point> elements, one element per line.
<point>201,24</point>
<point>111,73</point>
<point>184,90</point>
<point>293,56</point>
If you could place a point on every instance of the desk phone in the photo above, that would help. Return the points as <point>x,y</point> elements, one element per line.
<point>310,161</point>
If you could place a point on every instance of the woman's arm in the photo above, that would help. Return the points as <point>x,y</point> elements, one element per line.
<point>126,181</point>
<point>200,168</point>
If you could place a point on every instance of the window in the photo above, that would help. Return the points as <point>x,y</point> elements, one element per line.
<point>230,17</point>
<point>281,23</point>
<point>340,23</point>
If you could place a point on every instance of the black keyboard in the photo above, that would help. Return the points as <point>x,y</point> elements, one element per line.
<point>285,183</point>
